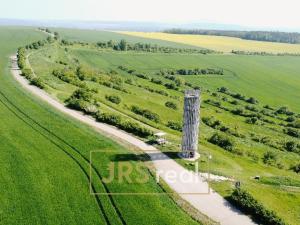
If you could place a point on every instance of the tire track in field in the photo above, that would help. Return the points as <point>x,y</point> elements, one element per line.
<point>72,147</point>
<point>70,155</point>
<point>61,148</point>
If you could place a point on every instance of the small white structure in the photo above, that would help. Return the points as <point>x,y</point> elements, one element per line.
<point>160,138</point>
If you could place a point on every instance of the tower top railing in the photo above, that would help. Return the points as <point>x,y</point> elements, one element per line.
<point>192,93</point>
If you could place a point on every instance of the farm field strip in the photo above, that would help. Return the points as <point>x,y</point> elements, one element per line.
<point>219,43</point>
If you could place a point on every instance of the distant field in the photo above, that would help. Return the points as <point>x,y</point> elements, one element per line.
<point>219,43</point>
<point>98,35</point>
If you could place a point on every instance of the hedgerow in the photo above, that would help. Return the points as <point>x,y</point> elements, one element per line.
<point>146,113</point>
<point>292,132</point>
<point>126,125</point>
<point>174,125</point>
<point>244,201</point>
<point>296,168</point>
<point>38,82</point>
<point>113,98</point>
<point>171,105</point>
<point>222,141</point>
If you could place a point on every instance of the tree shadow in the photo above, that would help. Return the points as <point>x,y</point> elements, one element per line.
<point>145,157</point>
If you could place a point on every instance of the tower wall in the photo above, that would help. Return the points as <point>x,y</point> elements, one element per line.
<point>191,119</point>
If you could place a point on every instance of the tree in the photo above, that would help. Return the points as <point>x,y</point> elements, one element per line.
<point>270,158</point>
<point>223,141</point>
<point>179,81</point>
<point>290,146</point>
<point>174,125</point>
<point>171,105</point>
<point>123,45</point>
<point>252,100</point>
<point>223,89</point>
<point>296,168</point>
<point>110,44</point>
<point>113,98</point>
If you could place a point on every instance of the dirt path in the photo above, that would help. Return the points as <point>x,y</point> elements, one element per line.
<point>191,190</point>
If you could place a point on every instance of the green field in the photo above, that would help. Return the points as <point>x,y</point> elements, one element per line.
<point>45,162</point>
<point>95,35</point>
<point>272,80</point>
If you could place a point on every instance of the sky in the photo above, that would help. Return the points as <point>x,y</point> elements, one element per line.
<point>254,13</point>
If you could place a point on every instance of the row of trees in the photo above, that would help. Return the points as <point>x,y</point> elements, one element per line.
<point>239,52</point>
<point>54,34</point>
<point>26,72</point>
<point>284,37</point>
<point>146,113</point>
<point>82,99</point>
<point>38,44</point>
<point>197,71</point>
<point>247,204</point>
<point>238,96</point>
<point>123,45</point>
<point>126,125</point>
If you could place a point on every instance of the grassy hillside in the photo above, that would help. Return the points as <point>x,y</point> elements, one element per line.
<point>96,35</point>
<point>258,133</point>
<point>220,43</point>
<point>45,162</point>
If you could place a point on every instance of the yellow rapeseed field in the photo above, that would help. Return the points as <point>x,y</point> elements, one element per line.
<point>220,43</point>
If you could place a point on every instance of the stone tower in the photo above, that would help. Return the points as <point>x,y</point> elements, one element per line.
<point>191,117</point>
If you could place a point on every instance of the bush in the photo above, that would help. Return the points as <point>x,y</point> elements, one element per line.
<point>156,81</point>
<point>252,100</point>
<point>238,111</point>
<point>223,90</point>
<point>128,126</point>
<point>171,86</point>
<point>146,113</point>
<point>143,76</point>
<point>239,96</point>
<point>113,98</point>
<point>252,120</point>
<point>270,158</point>
<point>212,122</point>
<point>251,108</point>
<point>222,141</point>
<point>179,81</point>
<point>136,129</point>
<point>129,81</point>
<point>174,125</point>
<point>90,109</point>
<point>268,107</point>
<point>234,102</point>
<point>68,76</point>
<point>295,124</point>
<point>77,104</point>
<point>291,146</point>
<point>284,110</point>
<point>292,132</point>
<point>37,82</point>
<point>290,119</point>
<point>82,93</point>
<point>296,168</point>
<point>171,105</point>
<point>247,204</point>
<point>27,73</point>
<point>81,100</point>
<point>111,119</point>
